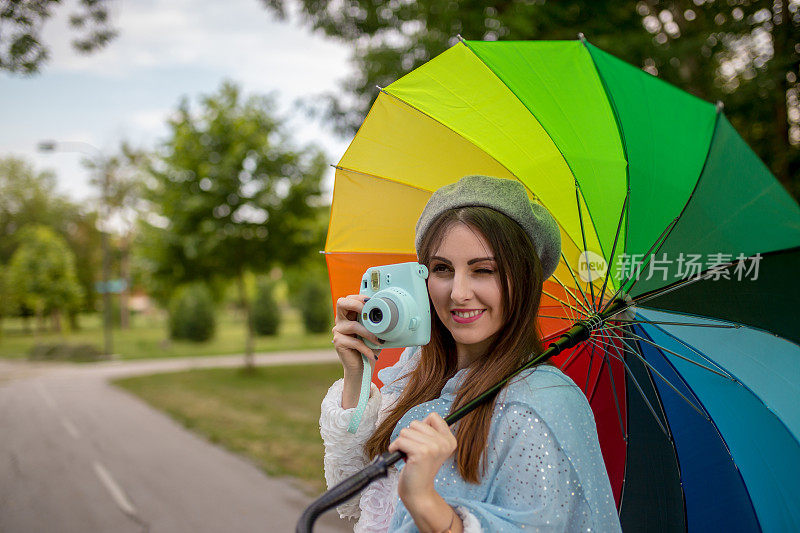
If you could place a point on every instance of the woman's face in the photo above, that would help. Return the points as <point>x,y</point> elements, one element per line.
<point>464,286</point>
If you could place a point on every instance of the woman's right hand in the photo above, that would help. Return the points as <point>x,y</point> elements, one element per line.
<point>348,333</point>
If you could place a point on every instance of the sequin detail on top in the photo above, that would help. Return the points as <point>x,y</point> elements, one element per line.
<point>544,468</point>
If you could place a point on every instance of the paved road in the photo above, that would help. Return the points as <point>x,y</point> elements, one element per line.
<point>79,455</point>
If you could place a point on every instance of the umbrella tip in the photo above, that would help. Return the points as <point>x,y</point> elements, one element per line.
<point>581,37</point>
<point>460,38</point>
<point>379,88</point>
<point>720,106</point>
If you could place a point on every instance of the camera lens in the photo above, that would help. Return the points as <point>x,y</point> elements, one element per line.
<point>375,315</point>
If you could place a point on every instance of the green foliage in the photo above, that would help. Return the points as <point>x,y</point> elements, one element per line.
<point>27,199</point>
<point>191,314</point>
<point>310,292</point>
<point>228,193</point>
<point>314,300</point>
<point>21,47</point>
<point>41,273</point>
<point>745,53</point>
<point>266,313</point>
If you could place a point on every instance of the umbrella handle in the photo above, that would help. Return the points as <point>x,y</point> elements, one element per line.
<point>348,488</point>
<point>379,467</point>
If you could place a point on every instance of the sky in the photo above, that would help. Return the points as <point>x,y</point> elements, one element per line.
<point>166,49</point>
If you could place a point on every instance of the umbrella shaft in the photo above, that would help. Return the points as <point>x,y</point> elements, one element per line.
<point>379,467</point>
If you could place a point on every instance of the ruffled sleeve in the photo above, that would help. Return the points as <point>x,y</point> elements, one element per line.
<point>344,451</point>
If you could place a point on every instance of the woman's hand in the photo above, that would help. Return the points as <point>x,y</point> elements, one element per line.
<point>427,445</point>
<point>347,338</point>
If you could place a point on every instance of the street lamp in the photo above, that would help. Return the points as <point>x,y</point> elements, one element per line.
<point>49,146</point>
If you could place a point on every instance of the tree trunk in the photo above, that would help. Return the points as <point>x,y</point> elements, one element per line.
<point>249,360</point>
<point>41,321</point>
<point>56,320</point>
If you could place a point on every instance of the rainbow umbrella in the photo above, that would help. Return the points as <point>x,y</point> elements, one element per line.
<point>662,206</point>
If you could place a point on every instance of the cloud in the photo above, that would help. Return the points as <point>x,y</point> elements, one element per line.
<point>165,49</point>
<point>239,38</point>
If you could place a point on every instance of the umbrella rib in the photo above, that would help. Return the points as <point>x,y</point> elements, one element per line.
<point>589,371</point>
<point>614,391</point>
<point>660,242</point>
<point>680,284</point>
<point>569,314</point>
<point>722,372</point>
<point>562,301</point>
<point>599,374</point>
<point>345,169</point>
<point>557,317</point>
<point>583,236</point>
<point>674,222</point>
<point>578,285</point>
<point>623,142</point>
<point>586,309</point>
<point>614,247</point>
<point>651,367</point>
<point>629,321</point>
<point>638,387</point>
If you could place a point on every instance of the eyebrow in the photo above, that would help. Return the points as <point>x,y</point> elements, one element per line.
<point>470,262</point>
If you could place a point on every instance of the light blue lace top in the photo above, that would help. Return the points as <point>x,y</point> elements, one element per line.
<point>545,471</point>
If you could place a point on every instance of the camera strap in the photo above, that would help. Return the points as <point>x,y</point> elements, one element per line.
<point>366,385</point>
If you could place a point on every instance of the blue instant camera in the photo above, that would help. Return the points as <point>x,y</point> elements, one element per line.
<point>398,310</point>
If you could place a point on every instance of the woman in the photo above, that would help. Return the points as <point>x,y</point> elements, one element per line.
<point>528,461</point>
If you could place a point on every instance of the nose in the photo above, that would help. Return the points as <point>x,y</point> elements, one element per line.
<point>461,290</point>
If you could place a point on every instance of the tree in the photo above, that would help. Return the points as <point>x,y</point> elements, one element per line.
<point>41,274</point>
<point>229,195</point>
<point>21,48</point>
<point>29,198</point>
<point>743,52</point>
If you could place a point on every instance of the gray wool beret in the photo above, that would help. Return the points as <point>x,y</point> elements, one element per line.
<point>506,196</point>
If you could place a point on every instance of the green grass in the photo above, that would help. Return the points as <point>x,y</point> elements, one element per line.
<point>147,337</point>
<point>270,416</point>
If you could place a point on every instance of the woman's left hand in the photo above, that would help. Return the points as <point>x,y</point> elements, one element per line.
<point>427,445</point>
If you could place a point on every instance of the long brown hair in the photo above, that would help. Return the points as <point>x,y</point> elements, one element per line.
<point>517,340</point>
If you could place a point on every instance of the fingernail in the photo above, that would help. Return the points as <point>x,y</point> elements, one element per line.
<point>381,341</point>
<point>366,299</point>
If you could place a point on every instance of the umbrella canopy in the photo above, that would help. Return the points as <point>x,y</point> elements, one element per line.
<point>661,203</point>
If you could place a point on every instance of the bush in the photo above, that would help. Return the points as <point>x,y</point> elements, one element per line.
<point>266,313</point>
<point>314,301</point>
<point>65,352</point>
<point>191,314</point>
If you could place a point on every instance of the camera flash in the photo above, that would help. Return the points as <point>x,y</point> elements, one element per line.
<point>375,280</point>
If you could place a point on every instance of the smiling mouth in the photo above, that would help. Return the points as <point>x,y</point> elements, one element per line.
<point>463,317</point>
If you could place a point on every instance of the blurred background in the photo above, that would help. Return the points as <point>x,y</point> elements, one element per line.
<point>165,176</point>
<point>159,155</point>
